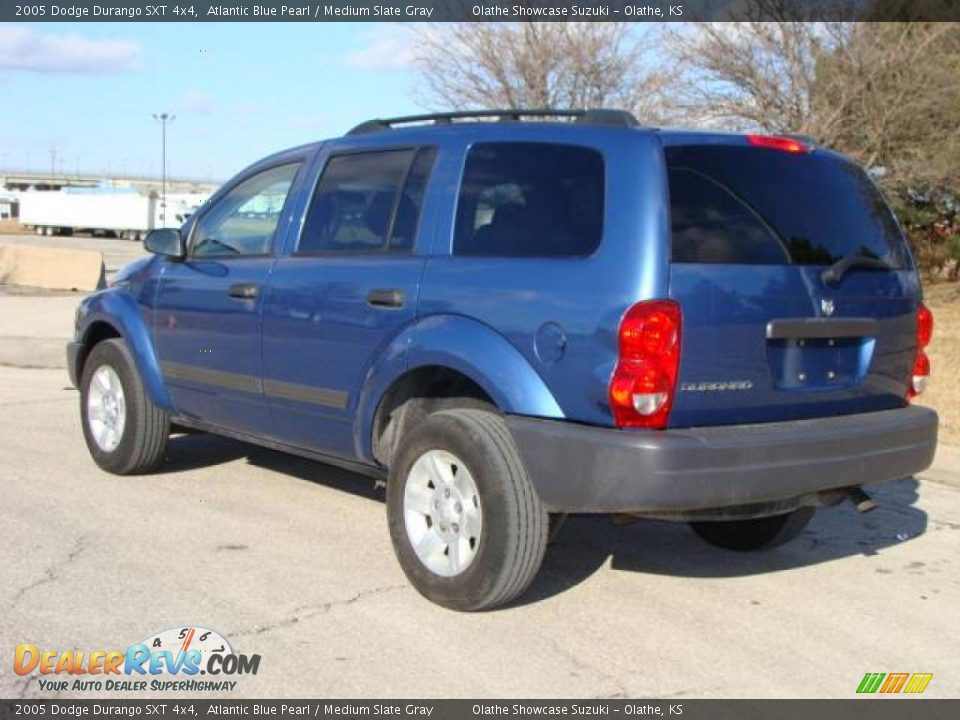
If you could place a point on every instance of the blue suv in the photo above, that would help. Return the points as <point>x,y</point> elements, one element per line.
<point>510,320</point>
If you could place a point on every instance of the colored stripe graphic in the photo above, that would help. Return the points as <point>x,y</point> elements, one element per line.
<point>918,683</point>
<point>894,682</point>
<point>870,682</point>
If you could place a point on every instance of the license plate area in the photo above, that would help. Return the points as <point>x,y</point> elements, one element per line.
<point>819,363</point>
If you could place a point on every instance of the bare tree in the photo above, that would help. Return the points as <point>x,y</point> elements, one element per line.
<point>886,93</point>
<point>750,74</point>
<point>890,96</point>
<point>538,65</point>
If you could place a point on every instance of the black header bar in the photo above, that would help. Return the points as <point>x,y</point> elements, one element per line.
<point>191,11</point>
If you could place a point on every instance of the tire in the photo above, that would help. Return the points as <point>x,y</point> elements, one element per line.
<point>135,443</point>
<point>754,534</point>
<point>497,563</point>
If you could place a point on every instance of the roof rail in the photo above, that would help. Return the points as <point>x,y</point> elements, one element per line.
<point>596,116</point>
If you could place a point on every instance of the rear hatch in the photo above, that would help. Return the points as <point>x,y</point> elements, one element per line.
<point>767,336</point>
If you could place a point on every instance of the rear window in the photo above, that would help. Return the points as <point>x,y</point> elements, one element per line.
<point>731,204</point>
<point>530,200</point>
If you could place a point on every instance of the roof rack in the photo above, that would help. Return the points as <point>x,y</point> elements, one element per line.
<point>595,116</point>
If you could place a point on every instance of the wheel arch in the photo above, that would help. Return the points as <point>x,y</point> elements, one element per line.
<point>415,395</point>
<point>442,358</point>
<point>112,315</point>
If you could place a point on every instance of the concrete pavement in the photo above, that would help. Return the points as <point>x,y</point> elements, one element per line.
<point>291,560</point>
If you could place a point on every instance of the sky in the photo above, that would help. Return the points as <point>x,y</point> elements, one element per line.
<point>239,91</point>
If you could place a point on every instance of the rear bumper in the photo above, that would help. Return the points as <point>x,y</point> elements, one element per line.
<point>578,468</point>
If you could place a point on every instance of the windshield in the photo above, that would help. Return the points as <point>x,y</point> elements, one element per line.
<point>733,204</point>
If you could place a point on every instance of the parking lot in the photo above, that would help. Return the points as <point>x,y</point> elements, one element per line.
<point>291,560</point>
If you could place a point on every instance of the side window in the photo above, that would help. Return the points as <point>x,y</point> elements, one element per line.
<point>243,222</point>
<point>530,200</point>
<point>710,224</point>
<point>367,202</point>
<point>407,219</point>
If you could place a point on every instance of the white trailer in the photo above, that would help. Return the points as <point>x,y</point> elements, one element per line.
<point>128,215</point>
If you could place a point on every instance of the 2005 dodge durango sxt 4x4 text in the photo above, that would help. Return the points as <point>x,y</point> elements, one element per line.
<point>511,320</point>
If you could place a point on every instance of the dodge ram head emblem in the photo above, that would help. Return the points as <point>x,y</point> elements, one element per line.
<point>827,307</point>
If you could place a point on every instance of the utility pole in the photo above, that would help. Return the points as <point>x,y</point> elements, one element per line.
<point>163,119</point>
<point>53,163</point>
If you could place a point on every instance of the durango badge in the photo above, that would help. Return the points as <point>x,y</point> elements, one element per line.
<point>721,386</point>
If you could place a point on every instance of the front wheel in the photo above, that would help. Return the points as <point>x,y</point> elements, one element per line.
<point>467,526</point>
<point>754,534</point>
<point>125,432</point>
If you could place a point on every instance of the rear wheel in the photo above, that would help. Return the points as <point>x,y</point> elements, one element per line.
<point>754,534</point>
<point>125,432</point>
<point>467,526</point>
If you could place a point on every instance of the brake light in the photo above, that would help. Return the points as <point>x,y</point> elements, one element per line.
<point>644,381</point>
<point>773,142</point>
<point>921,363</point>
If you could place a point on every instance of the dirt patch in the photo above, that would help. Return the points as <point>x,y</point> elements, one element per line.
<point>13,227</point>
<point>943,393</point>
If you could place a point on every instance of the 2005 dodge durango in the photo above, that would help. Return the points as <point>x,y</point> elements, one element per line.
<point>508,321</point>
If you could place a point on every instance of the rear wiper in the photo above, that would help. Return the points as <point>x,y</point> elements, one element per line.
<point>834,274</point>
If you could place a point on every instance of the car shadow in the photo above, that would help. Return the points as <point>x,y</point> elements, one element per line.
<point>192,451</point>
<point>588,542</point>
<point>317,472</point>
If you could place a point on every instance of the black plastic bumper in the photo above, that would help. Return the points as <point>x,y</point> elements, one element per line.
<point>73,355</point>
<point>578,468</point>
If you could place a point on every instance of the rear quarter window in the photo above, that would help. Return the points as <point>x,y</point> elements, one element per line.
<point>711,225</point>
<point>734,204</point>
<point>530,200</point>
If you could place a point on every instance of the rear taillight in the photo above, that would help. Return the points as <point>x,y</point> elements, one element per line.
<point>921,363</point>
<point>774,142</point>
<point>645,379</point>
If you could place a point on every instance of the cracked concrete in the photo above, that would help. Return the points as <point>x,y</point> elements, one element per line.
<point>52,572</point>
<point>308,612</point>
<point>291,560</point>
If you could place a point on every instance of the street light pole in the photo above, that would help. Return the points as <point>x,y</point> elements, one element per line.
<point>163,119</point>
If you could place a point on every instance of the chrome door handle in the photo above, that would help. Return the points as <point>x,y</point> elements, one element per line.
<point>386,298</point>
<point>244,291</point>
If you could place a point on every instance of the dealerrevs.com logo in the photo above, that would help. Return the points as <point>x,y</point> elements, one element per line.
<point>170,660</point>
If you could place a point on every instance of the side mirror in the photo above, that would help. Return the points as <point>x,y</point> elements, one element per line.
<point>165,241</point>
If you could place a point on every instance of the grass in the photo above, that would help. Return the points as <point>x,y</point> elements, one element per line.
<point>943,393</point>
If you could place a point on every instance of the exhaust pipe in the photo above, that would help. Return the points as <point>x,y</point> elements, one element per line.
<point>861,501</point>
